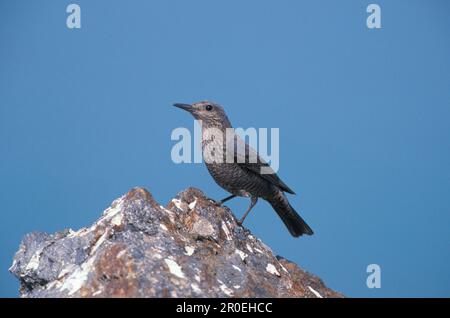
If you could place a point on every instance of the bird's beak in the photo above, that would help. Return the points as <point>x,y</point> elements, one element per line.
<point>186,107</point>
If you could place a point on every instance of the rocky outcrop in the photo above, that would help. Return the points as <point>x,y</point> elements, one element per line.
<point>138,248</point>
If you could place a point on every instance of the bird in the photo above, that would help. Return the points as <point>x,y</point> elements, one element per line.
<point>237,167</point>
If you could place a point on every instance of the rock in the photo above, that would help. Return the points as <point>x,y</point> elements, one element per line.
<point>137,248</point>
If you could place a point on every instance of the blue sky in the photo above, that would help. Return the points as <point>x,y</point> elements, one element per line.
<point>364,115</point>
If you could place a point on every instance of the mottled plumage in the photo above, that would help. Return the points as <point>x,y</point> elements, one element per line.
<point>236,167</point>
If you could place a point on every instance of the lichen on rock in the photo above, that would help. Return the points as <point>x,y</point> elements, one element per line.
<point>138,248</point>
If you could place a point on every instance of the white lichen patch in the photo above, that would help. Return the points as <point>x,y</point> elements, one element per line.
<point>193,204</point>
<point>79,276</point>
<point>283,268</point>
<point>272,269</point>
<point>226,231</point>
<point>315,292</point>
<point>174,268</point>
<point>81,232</point>
<point>237,268</point>
<point>155,252</point>
<point>180,204</point>
<point>241,254</point>
<point>258,250</point>
<point>236,286</point>
<point>249,248</point>
<point>163,226</point>
<point>189,250</point>
<point>97,292</point>
<point>196,288</point>
<point>157,255</point>
<point>225,289</point>
<point>121,253</point>
<point>203,227</point>
<point>117,219</point>
<point>33,264</point>
<point>114,209</point>
<point>66,270</point>
<point>99,242</point>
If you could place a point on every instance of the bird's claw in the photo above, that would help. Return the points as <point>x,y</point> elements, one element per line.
<point>216,203</point>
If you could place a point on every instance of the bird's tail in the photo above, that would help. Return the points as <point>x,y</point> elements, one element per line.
<point>295,224</point>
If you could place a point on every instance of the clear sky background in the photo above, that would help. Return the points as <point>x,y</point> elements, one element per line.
<point>364,118</point>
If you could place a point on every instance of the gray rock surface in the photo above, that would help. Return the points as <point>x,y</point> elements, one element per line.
<point>137,248</point>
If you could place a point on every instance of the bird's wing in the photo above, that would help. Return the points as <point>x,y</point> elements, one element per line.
<point>248,159</point>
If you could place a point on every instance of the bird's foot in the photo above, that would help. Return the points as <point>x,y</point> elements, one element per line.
<point>216,203</point>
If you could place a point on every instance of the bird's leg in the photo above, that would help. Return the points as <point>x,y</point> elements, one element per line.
<point>252,204</point>
<point>219,203</point>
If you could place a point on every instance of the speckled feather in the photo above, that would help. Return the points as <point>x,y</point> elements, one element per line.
<point>242,176</point>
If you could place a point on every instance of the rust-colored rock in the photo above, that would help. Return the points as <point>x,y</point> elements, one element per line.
<point>137,248</point>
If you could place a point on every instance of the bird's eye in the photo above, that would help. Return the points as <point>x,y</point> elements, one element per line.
<point>209,107</point>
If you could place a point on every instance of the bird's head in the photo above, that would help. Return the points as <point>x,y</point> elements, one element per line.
<point>210,113</point>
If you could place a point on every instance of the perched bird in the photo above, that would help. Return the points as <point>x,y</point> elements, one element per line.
<point>237,168</point>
